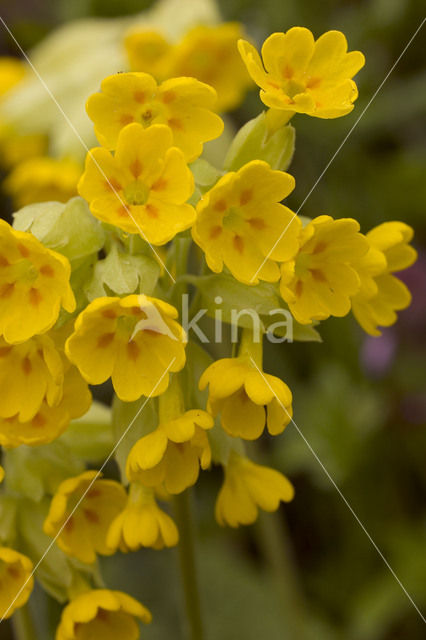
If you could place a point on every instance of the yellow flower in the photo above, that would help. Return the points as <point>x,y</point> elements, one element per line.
<point>149,51</point>
<point>381,293</point>
<point>240,221</point>
<point>301,75</point>
<point>170,457</point>
<point>184,104</point>
<point>246,399</point>
<point>102,613</point>
<point>322,278</point>
<point>34,284</point>
<point>210,54</point>
<point>42,179</point>
<point>134,340</point>
<point>247,487</point>
<point>144,187</point>
<point>16,147</point>
<point>142,523</point>
<point>85,531</point>
<point>15,577</point>
<point>49,421</point>
<point>12,70</point>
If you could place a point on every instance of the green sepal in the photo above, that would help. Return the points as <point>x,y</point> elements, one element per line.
<point>67,228</point>
<point>8,514</point>
<point>205,174</point>
<point>255,141</point>
<point>90,437</point>
<point>130,422</point>
<point>123,274</point>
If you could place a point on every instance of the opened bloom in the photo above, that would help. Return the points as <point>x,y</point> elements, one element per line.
<point>34,284</point>
<point>82,529</point>
<point>102,613</point>
<point>144,187</point>
<point>381,293</point>
<point>240,223</point>
<point>142,523</point>
<point>248,487</point>
<point>246,399</point>
<point>135,341</point>
<point>301,75</point>
<point>184,104</point>
<point>15,578</point>
<point>322,278</point>
<point>171,456</point>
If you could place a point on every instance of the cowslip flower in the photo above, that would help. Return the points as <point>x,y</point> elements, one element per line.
<point>210,54</point>
<point>135,341</point>
<point>381,293</point>
<point>34,284</point>
<point>301,75</point>
<point>184,104</point>
<point>82,533</point>
<point>142,523</point>
<point>50,420</point>
<point>171,456</point>
<point>15,578</point>
<point>322,278</point>
<point>246,399</point>
<point>240,221</point>
<point>248,487</point>
<point>149,51</point>
<point>144,187</point>
<point>12,71</point>
<point>43,179</point>
<point>38,375</point>
<point>102,613</point>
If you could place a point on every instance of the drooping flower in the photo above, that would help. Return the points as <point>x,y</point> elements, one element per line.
<point>184,104</point>
<point>16,581</point>
<point>102,613</point>
<point>171,456</point>
<point>43,179</point>
<point>210,54</point>
<point>82,529</point>
<point>144,187</point>
<point>34,284</point>
<point>50,420</point>
<point>240,223</point>
<point>301,75</point>
<point>134,340</point>
<point>248,487</point>
<point>149,51</point>
<point>381,293</point>
<point>322,278</point>
<point>142,523</point>
<point>246,399</point>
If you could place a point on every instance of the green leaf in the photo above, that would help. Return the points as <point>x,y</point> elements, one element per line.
<point>90,437</point>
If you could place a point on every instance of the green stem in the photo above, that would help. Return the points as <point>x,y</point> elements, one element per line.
<point>23,626</point>
<point>183,514</point>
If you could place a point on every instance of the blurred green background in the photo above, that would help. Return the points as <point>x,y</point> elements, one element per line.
<point>312,572</point>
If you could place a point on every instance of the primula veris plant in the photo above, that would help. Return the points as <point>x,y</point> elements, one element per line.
<point>109,286</point>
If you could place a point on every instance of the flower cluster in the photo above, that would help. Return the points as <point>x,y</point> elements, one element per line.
<point>86,297</point>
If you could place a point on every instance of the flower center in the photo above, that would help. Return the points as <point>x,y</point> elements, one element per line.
<point>293,87</point>
<point>232,219</point>
<point>136,193</point>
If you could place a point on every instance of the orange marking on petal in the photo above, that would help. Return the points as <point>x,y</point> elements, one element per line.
<point>215,232</point>
<point>91,516</point>
<point>105,340</point>
<point>313,83</point>
<point>288,72</point>
<point>93,493</point>
<point>175,123</point>
<point>159,184</point>
<point>133,350</point>
<point>126,118</point>
<point>257,223</point>
<point>122,212</point>
<point>38,421</point>
<point>246,196</point>
<point>238,244</point>
<point>46,270</point>
<point>319,247</point>
<point>26,366</point>
<point>4,262</point>
<point>273,84</point>
<point>168,96</point>
<point>139,96</point>
<point>7,290</point>
<point>35,296</point>
<point>69,525</point>
<point>318,275</point>
<point>109,313</point>
<point>220,205</point>
<point>14,571</point>
<point>112,185</point>
<point>23,250</point>
<point>4,351</point>
<point>136,168</point>
<point>135,311</point>
<point>151,211</point>
<point>299,288</point>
